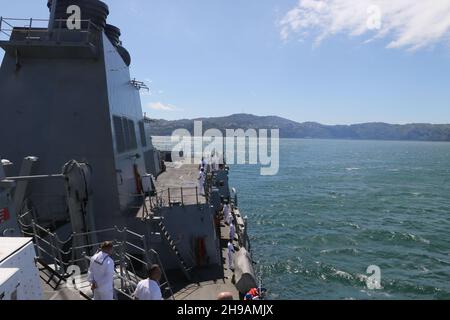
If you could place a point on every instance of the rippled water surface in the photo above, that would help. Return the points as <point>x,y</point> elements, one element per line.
<point>337,207</point>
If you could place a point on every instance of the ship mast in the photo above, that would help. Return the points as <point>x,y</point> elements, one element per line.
<point>52,16</point>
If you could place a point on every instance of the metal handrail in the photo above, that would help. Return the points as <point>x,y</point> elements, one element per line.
<point>169,197</point>
<point>49,246</point>
<point>178,193</point>
<point>31,20</point>
<point>30,29</point>
<point>134,246</point>
<point>140,236</point>
<point>135,258</point>
<point>159,262</point>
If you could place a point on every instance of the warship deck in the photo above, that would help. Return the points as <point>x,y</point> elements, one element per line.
<point>206,282</point>
<point>177,185</point>
<point>221,277</point>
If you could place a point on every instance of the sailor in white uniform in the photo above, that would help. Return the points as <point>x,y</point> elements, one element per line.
<point>214,162</point>
<point>201,181</point>
<point>149,289</point>
<point>218,159</point>
<point>101,273</point>
<point>226,213</point>
<point>232,231</point>
<point>230,255</point>
<point>203,164</point>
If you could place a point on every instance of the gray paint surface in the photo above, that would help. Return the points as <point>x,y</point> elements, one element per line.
<point>60,109</point>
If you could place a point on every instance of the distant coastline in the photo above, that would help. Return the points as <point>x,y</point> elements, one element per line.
<point>311,130</point>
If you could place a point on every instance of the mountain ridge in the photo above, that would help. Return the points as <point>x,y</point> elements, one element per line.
<point>292,129</point>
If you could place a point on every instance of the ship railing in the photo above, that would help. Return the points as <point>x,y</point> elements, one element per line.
<point>22,220</point>
<point>141,201</point>
<point>49,253</point>
<point>174,197</point>
<point>131,254</point>
<point>38,29</point>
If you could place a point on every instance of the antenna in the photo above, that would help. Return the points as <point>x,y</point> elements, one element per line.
<point>51,22</point>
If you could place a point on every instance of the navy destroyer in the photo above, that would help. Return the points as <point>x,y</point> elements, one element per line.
<point>81,169</point>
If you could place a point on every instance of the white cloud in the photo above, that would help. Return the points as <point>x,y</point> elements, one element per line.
<point>408,24</point>
<point>162,107</point>
<point>145,93</point>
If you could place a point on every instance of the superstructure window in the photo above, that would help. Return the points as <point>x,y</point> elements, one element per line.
<point>120,137</point>
<point>142,132</point>
<point>125,133</point>
<point>132,134</point>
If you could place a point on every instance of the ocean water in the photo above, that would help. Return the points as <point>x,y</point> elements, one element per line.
<point>338,207</point>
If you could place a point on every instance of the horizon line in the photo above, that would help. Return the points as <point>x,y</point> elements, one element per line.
<point>302,122</point>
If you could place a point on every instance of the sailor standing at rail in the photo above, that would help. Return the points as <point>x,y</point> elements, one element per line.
<point>149,289</point>
<point>232,231</point>
<point>230,255</point>
<point>226,213</point>
<point>101,273</point>
<point>201,181</point>
<point>203,164</point>
<point>214,161</point>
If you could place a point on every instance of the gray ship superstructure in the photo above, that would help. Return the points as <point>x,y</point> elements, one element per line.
<point>82,168</point>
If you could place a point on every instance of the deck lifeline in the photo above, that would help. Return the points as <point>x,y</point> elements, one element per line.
<point>177,185</point>
<point>207,282</point>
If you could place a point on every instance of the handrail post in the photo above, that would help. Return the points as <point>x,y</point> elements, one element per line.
<point>38,249</point>
<point>58,38</point>
<point>147,259</point>
<point>1,20</point>
<point>52,246</point>
<point>122,262</point>
<point>168,194</point>
<point>122,258</point>
<point>182,197</point>
<point>29,29</point>
<point>58,251</point>
<point>88,30</point>
<point>196,193</point>
<point>74,242</point>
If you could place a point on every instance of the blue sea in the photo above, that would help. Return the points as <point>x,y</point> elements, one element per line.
<point>338,207</point>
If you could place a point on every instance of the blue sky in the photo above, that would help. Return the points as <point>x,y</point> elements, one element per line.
<point>304,60</point>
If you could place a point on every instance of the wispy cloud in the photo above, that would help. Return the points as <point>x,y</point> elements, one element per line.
<point>407,24</point>
<point>162,107</point>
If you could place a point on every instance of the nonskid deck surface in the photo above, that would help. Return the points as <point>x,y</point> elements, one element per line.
<point>210,281</point>
<point>53,289</point>
<point>221,277</point>
<point>179,176</point>
<point>177,185</point>
<point>206,282</point>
